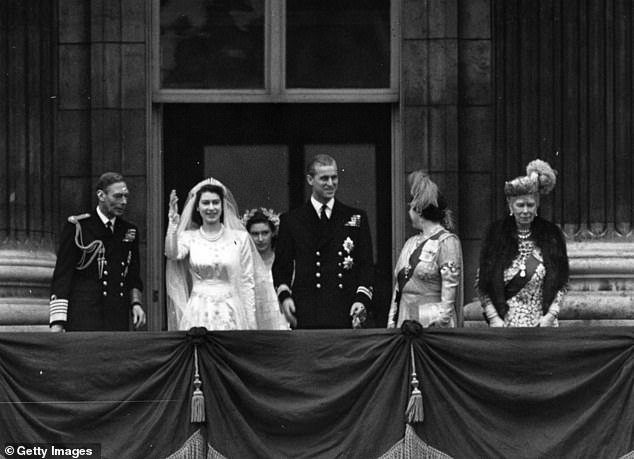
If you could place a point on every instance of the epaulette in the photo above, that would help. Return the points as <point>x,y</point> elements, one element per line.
<point>74,219</point>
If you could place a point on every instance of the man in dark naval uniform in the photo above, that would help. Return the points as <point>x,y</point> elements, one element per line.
<point>323,269</point>
<point>96,283</point>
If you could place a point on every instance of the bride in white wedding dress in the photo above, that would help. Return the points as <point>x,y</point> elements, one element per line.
<point>214,277</point>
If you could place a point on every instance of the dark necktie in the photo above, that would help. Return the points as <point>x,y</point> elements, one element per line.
<point>323,216</point>
<point>109,226</point>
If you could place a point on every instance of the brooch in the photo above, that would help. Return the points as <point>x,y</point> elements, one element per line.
<point>130,235</point>
<point>355,221</point>
<point>348,262</point>
<point>348,245</point>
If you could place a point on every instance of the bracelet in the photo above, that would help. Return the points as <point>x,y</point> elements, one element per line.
<point>136,303</point>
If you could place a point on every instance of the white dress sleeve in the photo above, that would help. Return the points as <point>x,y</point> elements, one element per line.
<point>176,243</point>
<point>247,281</point>
<point>450,262</point>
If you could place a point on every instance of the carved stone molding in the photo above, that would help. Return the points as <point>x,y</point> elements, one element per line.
<point>25,277</point>
<point>600,266</point>
<point>599,233</point>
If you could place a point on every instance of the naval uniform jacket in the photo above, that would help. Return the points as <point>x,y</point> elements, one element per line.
<point>87,300</point>
<point>327,265</point>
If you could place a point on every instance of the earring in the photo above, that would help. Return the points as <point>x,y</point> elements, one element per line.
<point>510,213</point>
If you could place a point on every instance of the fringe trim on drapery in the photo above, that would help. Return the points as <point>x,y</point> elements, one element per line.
<point>193,448</point>
<point>213,454</point>
<point>412,447</point>
<point>629,455</point>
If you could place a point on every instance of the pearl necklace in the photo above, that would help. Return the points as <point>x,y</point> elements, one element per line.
<point>525,249</point>
<point>212,237</point>
<point>524,234</point>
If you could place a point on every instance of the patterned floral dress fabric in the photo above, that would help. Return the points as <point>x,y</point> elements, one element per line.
<point>525,307</point>
<point>221,268</point>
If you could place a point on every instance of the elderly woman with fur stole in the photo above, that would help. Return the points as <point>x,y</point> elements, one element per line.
<point>523,271</point>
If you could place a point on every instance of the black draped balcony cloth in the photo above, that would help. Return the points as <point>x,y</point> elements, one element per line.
<point>486,393</point>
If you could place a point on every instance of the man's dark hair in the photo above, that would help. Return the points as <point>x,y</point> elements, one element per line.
<point>322,159</point>
<point>108,178</point>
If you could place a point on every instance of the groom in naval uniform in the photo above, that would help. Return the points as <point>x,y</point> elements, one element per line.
<point>323,270</point>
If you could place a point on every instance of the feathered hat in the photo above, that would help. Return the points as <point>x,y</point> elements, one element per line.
<point>423,191</point>
<point>427,200</point>
<point>540,178</point>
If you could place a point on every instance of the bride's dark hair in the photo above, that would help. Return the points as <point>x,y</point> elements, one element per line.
<point>208,189</point>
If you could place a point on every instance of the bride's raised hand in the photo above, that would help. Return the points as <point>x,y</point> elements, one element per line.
<point>172,212</point>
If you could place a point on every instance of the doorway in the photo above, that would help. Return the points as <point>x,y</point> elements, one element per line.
<point>260,152</point>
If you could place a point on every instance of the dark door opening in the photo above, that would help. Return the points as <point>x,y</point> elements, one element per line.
<point>259,151</point>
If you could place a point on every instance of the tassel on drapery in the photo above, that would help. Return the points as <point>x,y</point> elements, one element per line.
<point>197,337</point>
<point>198,398</point>
<point>411,446</point>
<point>414,412</point>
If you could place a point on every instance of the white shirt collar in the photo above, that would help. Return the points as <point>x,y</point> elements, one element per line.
<point>103,218</point>
<point>317,206</point>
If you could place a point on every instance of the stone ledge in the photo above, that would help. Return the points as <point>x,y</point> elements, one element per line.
<point>601,260</point>
<point>26,273</point>
<point>24,328</point>
<point>568,323</point>
<point>24,311</point>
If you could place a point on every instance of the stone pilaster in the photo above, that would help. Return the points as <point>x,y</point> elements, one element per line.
<point>26,156</point>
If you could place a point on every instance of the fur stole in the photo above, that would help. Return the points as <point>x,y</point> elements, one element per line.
<point>500,247</point>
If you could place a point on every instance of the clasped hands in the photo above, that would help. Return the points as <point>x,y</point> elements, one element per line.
<point>547,320</point>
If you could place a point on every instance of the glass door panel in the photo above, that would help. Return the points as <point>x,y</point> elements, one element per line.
<point>257,175</point>
<point>212,44</point>
<point>338,44</point>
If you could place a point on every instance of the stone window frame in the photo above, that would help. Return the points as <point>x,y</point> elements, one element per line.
<point>274,91</point>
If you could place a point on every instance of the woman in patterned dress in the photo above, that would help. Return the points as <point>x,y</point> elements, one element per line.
<point>428,287</point>
<point>524,269</point>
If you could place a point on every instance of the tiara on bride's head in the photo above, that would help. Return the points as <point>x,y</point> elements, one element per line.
<point>269,214</point>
